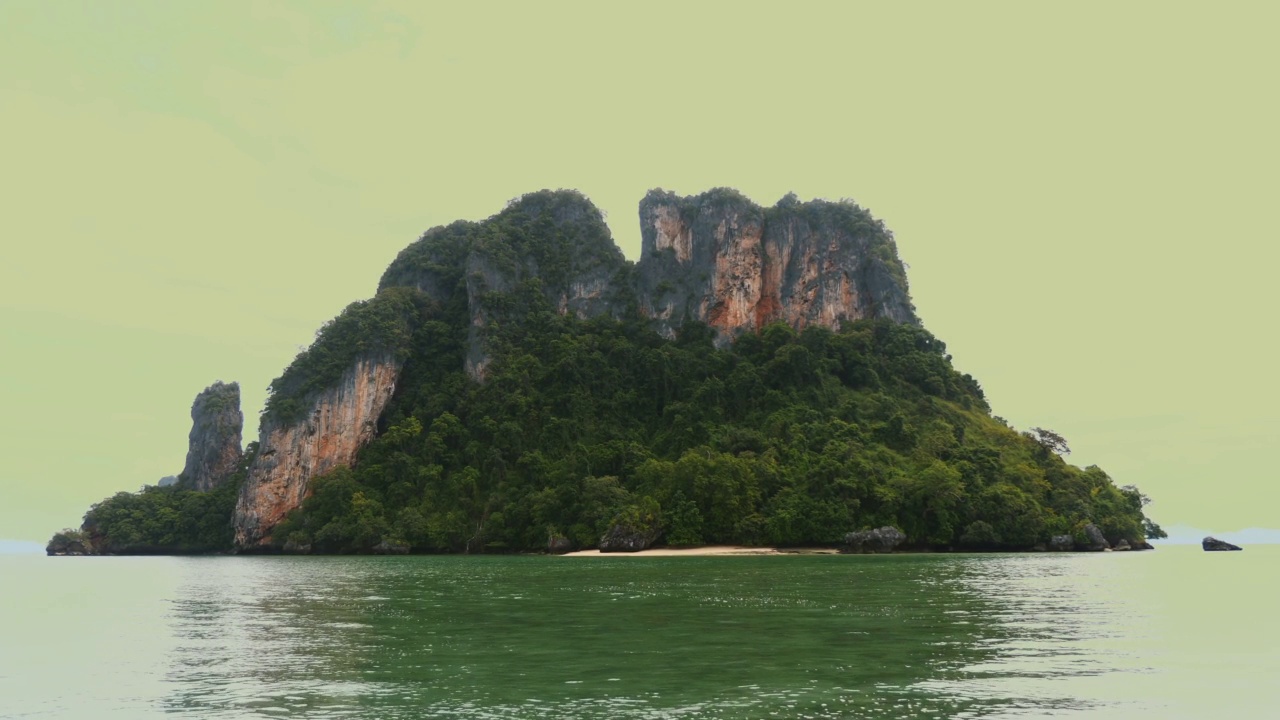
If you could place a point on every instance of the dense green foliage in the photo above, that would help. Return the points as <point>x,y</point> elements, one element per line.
<point>554,235</point>
<point>166,519</point>
<point>378,327</point>
<point>784,439</point>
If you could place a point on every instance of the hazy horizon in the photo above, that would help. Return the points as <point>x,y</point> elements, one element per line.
<point>196,188</point>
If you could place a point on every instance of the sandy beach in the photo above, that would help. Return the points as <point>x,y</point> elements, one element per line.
<point>706,550</point>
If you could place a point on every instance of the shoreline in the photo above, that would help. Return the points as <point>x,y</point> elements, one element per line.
<point>706,550</point>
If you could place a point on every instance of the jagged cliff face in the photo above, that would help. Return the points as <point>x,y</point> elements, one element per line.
<point>342,419</point>
<point>720,259</point>
<point>213,446</point>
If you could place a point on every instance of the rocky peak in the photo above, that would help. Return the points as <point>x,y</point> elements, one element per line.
<point>434,263</point>
<point>720,259</point>
<point>213,446</point>
<point>555,242</point>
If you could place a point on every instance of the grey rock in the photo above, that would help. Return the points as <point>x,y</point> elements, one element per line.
<point>880,540</point>
<point>622,537</point>
<point>293,547</point>
<point>1094,539</point>
<point>1122,545</point>
<point>213,446</point>
<point>167,481</point>
<point>1214,544</point>
<point>559,544</point>
<point>391,547</point>
<point>1061,543</point>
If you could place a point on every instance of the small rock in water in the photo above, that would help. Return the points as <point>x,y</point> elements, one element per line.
<point>1122,545</point>
<point>1213,543</point>
<point>880,540</point>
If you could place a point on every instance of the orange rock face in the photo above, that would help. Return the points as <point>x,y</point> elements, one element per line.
<point>720,259</point>
<point>342,420</point>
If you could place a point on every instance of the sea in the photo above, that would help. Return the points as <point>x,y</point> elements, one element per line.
<point>1170,633</point>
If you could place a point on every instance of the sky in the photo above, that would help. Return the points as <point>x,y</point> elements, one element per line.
<point>1082,192</point>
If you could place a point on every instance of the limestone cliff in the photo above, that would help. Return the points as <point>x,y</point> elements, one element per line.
<point>720,259</point>
<point>341,420</point>
<point>213,446</point>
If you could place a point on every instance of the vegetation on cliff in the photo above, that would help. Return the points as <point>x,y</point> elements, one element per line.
<point>382,325</point>
<point>786,438</point>
<point>537,406</point>
<point>162,519</point>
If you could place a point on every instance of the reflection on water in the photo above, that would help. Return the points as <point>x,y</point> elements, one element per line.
<point>924,636</point>
<point>1046,622</point>
<point>887,637</point>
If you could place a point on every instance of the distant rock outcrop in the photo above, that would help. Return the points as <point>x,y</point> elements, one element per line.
<point>880,540</point>
<point>70,542</point>
<point>1214,544</point>
<point>213,446</point>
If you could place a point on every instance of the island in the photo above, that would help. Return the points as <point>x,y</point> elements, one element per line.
<point>758,378</point>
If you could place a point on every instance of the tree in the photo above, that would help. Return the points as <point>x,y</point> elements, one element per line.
<point>1049,440</point>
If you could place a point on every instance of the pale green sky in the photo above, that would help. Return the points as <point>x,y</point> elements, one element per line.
<point>1083,193</point>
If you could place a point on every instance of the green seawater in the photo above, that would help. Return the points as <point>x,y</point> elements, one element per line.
<point>1174,633</point>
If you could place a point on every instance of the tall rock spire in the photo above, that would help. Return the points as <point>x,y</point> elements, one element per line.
<point>213,448</point>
